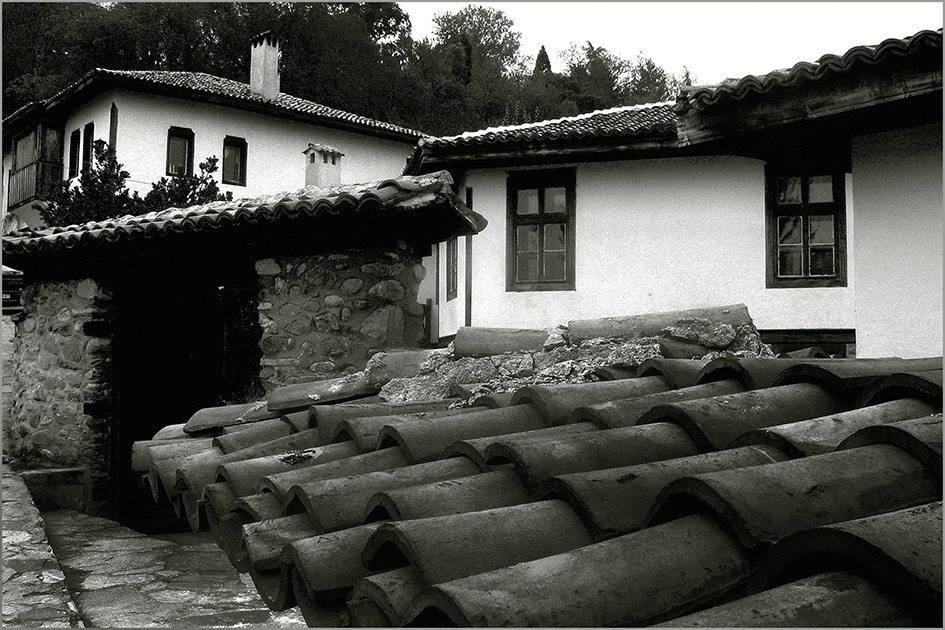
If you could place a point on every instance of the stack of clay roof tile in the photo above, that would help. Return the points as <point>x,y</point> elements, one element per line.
<point>729,492</point>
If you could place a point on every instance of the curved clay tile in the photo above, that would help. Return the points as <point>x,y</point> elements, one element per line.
<point>216,417</point>
<point>263,541</point>
<point>920,437</point>
<point>677,372</point>
<point>827,600</point>
<point>391,592</point>
<point>329,417</point>
<point>628,411</point>
<point>144,452</point>
<point>499,488</point>
<point>763,504</point>
<point>925,385</point>
<point>280,483</point>
<point>494,401</point>
<point>846,374</point>
<point>445,548</point>
<point>556,402</point>
<point>824,434</point>
<point>365,432</point>
<point>900,551</point>
<point>426,439</point>
<point>537,460</point>
<point>617,501</point>
<point>298,419</point>
<point>475,449</point>
<point>758,373</point>
<point>632,580</point>
<point>244,510</point>
<point>715,422</point>
<point>615,372</point>
<point>287,398</point>
<point>258,432</point>
<point>317,612</point>
<point>329,564</point>
<point>334,504</point>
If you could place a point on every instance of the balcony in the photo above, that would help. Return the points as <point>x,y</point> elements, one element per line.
<point>33,181</point>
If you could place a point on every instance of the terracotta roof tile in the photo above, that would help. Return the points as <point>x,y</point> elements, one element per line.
<point>827,65</point>
<point>797,455</point>
<point>235,93</point>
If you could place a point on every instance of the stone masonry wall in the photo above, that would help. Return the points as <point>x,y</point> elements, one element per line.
<point>323,316</point>
<point>62,382</point>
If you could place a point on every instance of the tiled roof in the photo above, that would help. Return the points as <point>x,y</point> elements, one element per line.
<point>629,120</point>
<point>237,93</point>
<point>401,194</point>
<point>687,492</point>
<point>827,65</point>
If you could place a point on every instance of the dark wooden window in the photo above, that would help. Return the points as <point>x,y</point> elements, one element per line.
<point>806,229</point>
<point>88,137</point>
<point>74,142</point>
<point>113,129</point>
<point>180,151</point>
<point>24,151</point>
<point>452,273</point>
<point>234,161</point>
<point>540,249</point>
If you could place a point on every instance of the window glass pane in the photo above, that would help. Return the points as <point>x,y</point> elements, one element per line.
<point>554,266</point>
<point>526,267</point>
<point>527,201</point>
<point>177,155</point>
<point>789,261</point>
<point>821,230</point>
<point>232,163</point>
<point>822,261</point>
<point>25,150</point>
<point>526,238</point>
<point>555,200</point>
<point>820,189</point>
<point>555,234</point>
<point>790,230</point>
<point>789,190</point>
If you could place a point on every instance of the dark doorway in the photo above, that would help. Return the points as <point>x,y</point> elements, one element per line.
<point>183,340</point>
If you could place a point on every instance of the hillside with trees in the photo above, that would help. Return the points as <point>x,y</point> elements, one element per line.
<point>359,57</point>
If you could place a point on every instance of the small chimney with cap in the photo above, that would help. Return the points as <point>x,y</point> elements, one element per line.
<point>264,65</point>
<point>322,165</point>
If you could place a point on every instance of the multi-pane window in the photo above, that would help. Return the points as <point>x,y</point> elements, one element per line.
<point>452,273</point>
<point>180,151</point>
<point>806,230</point>
<point>541,231</point>
<point>234,161</point>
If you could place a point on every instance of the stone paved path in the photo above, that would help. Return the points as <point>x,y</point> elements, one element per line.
<point>34,591</point>
<point>121,578</point>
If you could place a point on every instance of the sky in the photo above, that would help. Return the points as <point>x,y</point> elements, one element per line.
<point>714,40</point>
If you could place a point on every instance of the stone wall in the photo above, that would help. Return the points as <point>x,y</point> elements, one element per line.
<point>62,382</point>
<point>323,316</point>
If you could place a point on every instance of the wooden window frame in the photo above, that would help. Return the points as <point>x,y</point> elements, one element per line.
<point>452,268</point>
<point>240,144</point>
<point>772,212</point>
<point>551,178</point>
<point>185,134</point>
<point>75,144</point>
<point>88,138</point>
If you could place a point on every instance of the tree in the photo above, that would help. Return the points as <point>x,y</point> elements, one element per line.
<point>542,63</point>
<point>488,31</point>
<point>183,191</point>
<point>100,195</point>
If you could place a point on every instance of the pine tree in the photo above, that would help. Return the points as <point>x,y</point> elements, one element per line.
<point>542,63</point>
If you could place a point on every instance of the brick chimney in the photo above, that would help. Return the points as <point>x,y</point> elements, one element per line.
<point>264,65</point>
<point>322,166</point>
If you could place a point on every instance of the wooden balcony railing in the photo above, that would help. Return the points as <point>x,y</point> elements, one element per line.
<point>33,181</point>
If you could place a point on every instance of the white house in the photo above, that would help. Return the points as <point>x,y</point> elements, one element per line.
<point>165,123</point>
<point>813,195</point>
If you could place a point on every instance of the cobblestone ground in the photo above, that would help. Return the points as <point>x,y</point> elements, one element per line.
<point>121,578</point>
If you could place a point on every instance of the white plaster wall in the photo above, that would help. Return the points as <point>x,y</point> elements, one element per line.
<point>898,187</point>
<point>651,235</point>
<point>274,155</point>
<point>452,313</point>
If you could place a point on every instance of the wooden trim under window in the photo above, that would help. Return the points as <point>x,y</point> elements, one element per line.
<point>538,256</point>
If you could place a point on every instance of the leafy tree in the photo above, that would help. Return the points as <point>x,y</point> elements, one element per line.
<point>542,63</point>
<point>182,191</point>
<point>489,32</point>
<point>100,195</point>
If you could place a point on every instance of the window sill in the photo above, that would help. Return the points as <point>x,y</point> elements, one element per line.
<point>807,283</point>
<point>520,288</point>
<point>243,184</point>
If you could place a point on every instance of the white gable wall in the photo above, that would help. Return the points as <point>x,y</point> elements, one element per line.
<point>274,154</point>
<point>651,235</point>
<point>898,187</point>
